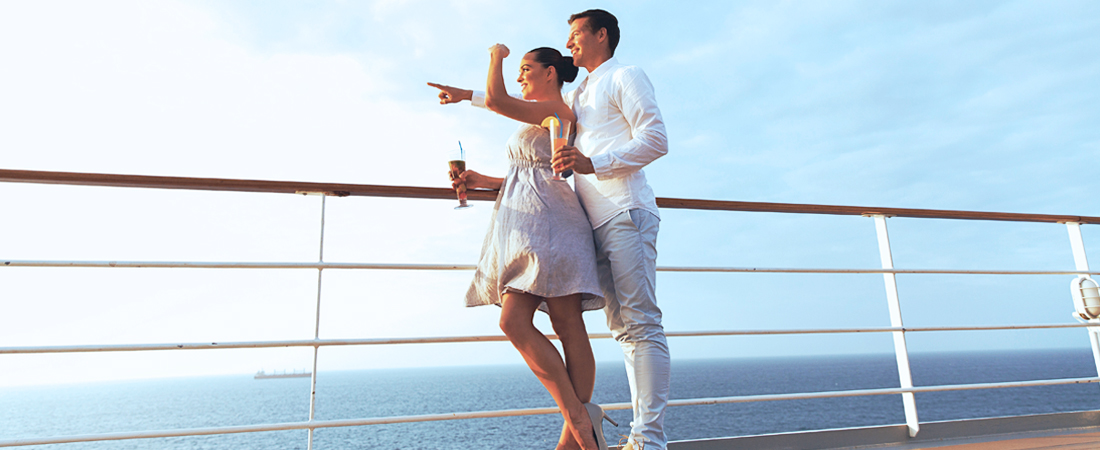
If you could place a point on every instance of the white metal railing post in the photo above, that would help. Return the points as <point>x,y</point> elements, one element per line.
<point>316,328</point>
<point>900,349</point>
<point>1077,243</point>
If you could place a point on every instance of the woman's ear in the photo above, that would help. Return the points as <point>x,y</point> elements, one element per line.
<point>551,72</point>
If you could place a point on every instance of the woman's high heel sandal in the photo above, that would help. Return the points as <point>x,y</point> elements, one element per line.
<point>626,444</point>
<point>597,415</point>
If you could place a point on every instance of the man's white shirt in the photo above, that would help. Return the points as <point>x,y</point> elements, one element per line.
<point>619,127</point>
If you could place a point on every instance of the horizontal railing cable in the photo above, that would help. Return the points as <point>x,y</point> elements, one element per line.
<point>380,266</point>
<point>701,269</point>
<point>231,265</point>
<point>867,392</point>
<point>523,412</point>
<point>495,338</point>
<point>343,190</point>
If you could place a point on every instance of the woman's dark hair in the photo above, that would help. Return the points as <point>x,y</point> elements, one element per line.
<point>598,18</point>
<point>547,56</point>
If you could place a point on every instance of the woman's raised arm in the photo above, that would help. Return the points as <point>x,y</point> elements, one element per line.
<point>498,100</point>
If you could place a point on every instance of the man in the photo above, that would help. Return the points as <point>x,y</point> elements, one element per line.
<point>620,131</point>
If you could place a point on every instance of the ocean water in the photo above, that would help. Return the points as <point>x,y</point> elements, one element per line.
<point>239,400</point>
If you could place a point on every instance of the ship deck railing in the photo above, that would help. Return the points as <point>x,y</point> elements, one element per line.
<point>899,435</point>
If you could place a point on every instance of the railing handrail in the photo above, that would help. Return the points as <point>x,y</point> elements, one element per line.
<point>443,266</point>
<point>16,350</point>
<point>372,190</point>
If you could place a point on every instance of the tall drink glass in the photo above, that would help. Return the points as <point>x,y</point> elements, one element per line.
<point>457,164</point>
<point>559,137</point>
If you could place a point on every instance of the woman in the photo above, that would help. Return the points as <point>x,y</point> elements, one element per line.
<point>539,253</point>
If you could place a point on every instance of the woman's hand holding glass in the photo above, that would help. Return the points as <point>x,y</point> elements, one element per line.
<point>473,180</point>
<point>571,158</point>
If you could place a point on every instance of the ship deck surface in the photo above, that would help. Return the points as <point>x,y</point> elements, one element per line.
<point>1064,431</point>
<point>1026,441</point>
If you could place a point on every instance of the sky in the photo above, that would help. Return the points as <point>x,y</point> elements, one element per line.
<point>981,105</point>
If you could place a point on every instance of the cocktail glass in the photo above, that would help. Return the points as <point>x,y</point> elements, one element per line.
<point>456,165</point>
<point>559,137</point>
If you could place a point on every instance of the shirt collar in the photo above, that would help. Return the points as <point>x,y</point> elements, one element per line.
<point>606,66</point>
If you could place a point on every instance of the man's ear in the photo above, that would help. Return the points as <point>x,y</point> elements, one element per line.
<point>601,35</point>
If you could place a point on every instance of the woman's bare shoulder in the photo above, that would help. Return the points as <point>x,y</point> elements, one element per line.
<point>564,111</point>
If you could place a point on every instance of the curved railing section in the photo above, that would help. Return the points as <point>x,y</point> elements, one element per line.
<point>325,190</point>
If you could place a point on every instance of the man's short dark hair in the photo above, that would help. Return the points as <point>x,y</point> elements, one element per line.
<point>598,18</point>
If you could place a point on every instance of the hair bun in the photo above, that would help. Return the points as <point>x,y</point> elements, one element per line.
<point>563,65</point>
<point>567,72</point>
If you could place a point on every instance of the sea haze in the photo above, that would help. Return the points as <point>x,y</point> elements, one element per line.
<point>41,411</point>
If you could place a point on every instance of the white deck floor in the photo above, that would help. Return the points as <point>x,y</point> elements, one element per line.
<point>1063,431</point>
<point>1029,441</point>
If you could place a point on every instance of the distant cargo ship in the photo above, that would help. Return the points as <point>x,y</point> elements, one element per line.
<point>261,375</point>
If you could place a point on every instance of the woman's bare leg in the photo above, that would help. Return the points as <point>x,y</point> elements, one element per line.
<point>517,313</point>
<point>566,317</point>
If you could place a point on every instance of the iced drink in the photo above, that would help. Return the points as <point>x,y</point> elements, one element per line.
<point>457,166</point>
<point>559,137</point>
<point>558,143</point>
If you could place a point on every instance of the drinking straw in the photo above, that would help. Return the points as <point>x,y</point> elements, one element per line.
<point>461,152</point>
<point>559,124</point>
